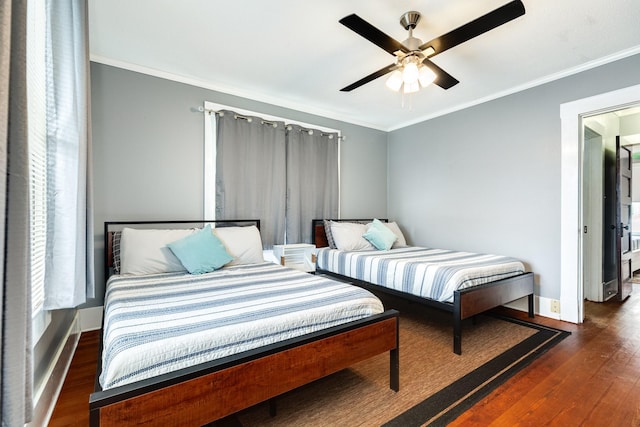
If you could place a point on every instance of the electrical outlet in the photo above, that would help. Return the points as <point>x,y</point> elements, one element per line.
<point>555,306</point>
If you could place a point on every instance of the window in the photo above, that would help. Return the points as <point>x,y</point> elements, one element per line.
<point>37,137</point>
<point>59,147</point>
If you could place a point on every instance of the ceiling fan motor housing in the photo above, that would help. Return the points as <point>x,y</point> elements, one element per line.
<point>410,19</point>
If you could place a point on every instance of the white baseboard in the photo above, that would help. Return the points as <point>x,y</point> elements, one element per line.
<point>46,396</point>
<point>542,306</point>
<point>90,319</point>
<point>521,304</point>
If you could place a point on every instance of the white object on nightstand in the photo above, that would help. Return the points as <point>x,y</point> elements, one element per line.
<point>301,256</point>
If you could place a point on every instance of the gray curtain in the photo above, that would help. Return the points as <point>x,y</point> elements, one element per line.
<point>312,180</point>
<point>69,277</point>
<point>250,173</point>
<point>16,377</point>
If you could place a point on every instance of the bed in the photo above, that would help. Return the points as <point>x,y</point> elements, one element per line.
<point>188,349</point>
<point>488,281</point>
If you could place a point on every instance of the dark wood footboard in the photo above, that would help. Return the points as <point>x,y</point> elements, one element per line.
<point>478,299</point>
<point>207,392</point>
<point>467,303</point>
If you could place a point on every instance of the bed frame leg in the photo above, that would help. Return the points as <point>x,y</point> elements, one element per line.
<point>457,335</point>
<point>531,313</point>
<point>394,361</point>
<point>273,409</point>
<point>394,370</point>
<point>457,323</point>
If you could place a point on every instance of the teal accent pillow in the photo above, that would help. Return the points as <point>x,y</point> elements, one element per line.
<point>380,236</point>
<point>201,252</point>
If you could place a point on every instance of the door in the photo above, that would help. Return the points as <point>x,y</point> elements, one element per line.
<point>623,194</point>
<point>610,230</point>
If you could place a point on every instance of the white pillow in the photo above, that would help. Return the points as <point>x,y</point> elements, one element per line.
<point>401,241</point>
<point>243,244</point>
<point>146,251</point>
<point>348,236</point>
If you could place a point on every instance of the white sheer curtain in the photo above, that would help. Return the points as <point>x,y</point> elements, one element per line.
<point>312,180</point>
<point>250,173</point>
<point>16,375</point>
<point>69,277</point>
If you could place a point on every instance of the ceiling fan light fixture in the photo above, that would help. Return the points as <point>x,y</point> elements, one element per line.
<point>426,76</point>
<point>394,82</point>
<point>410,72</point>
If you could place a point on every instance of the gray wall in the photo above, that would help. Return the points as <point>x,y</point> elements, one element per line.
<point>148,148</point>
<point>487,178</point>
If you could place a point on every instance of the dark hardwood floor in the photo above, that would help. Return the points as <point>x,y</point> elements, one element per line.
<point>591,378</point>
<point>72,408</point>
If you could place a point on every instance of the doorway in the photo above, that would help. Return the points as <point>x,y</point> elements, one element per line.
<point>571,256</point>
<point>607,183</point>
<point>571,226</point>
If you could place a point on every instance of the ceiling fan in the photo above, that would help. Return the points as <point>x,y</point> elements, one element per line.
<point>413,66</point>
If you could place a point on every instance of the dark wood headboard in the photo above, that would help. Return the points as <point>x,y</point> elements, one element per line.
<point>111,227</point>
<point>320,236</point>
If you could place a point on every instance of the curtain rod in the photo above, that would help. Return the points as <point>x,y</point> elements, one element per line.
<point>201,109</point>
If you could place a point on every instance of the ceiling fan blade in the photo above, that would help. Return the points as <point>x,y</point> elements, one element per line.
<point>371,33</point>
<point>443,79</point>
<point>476,27</point>
<point>381,72</point>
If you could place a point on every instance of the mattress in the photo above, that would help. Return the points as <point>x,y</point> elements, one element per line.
<point>429,273</point>
<point>160,323</point>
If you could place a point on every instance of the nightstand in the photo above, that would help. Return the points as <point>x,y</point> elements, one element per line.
<point>301,256</point>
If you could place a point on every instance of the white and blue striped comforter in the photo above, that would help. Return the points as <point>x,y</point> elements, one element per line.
<point>164,322</point>
<point>423,272</point>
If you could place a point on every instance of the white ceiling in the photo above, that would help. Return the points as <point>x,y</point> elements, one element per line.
<point>295,54</point>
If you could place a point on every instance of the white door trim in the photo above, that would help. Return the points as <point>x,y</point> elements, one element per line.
<point>571,114</point>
